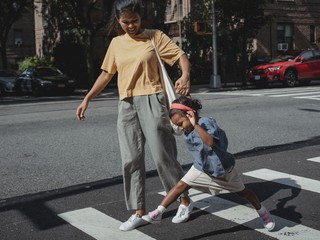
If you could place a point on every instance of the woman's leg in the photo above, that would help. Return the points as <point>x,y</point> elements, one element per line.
<point>132,142</point>
<point>155,124</point>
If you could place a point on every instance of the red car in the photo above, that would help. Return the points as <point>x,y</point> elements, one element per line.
<point>290,70</point>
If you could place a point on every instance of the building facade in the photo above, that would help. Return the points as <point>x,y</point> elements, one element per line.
<point>295,25</point>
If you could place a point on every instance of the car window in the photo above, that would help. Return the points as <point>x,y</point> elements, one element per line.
<point>307,55</point>
<point>25,73</point>
<point>48,72</point>
<point>317,54</point>
<point>7,74</point>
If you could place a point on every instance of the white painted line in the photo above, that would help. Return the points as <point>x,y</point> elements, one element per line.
<point>315,159</point>
<point>286,179</point>
<point>237,93</point>
<point>240,214</point>
<point>315,97</point>
<point>99,225</point>
<point>279,91</point>
<point>294,94</point>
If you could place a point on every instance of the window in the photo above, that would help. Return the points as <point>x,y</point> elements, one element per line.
<point>312,33</point>
<point>307,55</point>
<point>317,54</point>
<point>285,34</point>
<point>17,37</point>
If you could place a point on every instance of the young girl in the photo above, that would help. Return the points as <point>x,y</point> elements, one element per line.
<point>213,169</point>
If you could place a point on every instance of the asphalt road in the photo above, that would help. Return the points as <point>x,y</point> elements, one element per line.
<point>51,164</point>
<point>44,147</point>
<point>96,212</point>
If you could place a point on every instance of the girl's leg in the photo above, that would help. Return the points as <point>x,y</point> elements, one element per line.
<point>251,197</point>
<point>264,214</point>
<point>174,193</point>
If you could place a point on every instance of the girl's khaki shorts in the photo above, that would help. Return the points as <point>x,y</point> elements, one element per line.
<point>205,183</point>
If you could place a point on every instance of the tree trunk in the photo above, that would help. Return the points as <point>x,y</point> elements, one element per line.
<point>3,51</point>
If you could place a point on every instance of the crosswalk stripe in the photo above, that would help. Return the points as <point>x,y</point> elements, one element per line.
<point>294,94</point>
<point>248,217</point>
<point>315,97</point>
<point>304,92</point>
<point>99,225</point>
<point>315,159</point>
<point>286,179</point>
<point>278,91</point>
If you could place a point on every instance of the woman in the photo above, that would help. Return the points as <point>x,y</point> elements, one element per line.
<point>142,114</point>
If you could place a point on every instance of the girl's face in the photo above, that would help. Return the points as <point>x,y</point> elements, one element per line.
<point>182,121</point>
<point>130,23</point>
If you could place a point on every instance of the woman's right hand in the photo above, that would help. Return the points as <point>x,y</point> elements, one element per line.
<point>81,110</point>
<point>101,82</point>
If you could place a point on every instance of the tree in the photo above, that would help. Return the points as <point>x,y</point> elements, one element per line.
<point>198,47</point>
<point>10,12</point>
<point>74,23</point>
<point>238,22</point>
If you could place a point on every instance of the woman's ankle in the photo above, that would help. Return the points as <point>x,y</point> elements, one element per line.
<point>185,201</point>
<point>140,212</point>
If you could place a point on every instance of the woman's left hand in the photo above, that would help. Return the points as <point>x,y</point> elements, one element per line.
<point>182,86</point>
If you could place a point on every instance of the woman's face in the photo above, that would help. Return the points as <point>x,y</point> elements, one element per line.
<point>182,121</point>
<point>130,23</point>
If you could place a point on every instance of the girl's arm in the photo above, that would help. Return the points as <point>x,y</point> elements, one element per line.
<point>204,135</point>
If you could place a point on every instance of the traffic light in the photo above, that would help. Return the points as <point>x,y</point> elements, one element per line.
<point>202,28</point>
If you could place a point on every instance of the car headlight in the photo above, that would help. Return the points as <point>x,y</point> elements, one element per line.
<point>42,82</point>
<point>276,68</point>
<point>71,81</point>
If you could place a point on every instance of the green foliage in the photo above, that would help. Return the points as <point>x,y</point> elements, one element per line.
<point>34,62</point>
<point>74,22</point>
<point>10,12</point>
<point>237,23</point>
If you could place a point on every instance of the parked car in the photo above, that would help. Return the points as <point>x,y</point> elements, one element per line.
<point>41,80</point>
<point>289,70</point>
<point>7,81</point>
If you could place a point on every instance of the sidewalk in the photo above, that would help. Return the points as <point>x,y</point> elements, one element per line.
<point>194,88</point>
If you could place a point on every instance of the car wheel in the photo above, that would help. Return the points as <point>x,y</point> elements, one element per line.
<point>290,78</point>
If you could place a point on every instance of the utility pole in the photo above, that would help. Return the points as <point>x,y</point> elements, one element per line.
<point>215,81</point>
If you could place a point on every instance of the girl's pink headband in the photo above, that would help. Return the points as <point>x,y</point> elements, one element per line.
<point>180,106</point>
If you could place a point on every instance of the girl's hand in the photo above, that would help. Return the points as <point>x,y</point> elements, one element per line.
<point>191,116</point>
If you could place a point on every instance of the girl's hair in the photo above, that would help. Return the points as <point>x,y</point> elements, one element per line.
<point>119,7</point>
<point>195,104</point>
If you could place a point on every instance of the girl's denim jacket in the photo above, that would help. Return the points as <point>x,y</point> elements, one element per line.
<point>215,161</point>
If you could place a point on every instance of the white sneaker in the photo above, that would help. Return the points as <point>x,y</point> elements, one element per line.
<point>133,222</point>
<point>153,217</point>
<point>267,220</point>
<point>183,213</point>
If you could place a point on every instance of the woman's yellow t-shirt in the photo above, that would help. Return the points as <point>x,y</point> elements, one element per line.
<point>136,62</point>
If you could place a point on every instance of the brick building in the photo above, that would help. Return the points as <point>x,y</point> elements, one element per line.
<point>295,25</point>
<point>21,40</point>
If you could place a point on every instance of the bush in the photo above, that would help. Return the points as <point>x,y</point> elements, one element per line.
<point>34,62</point>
